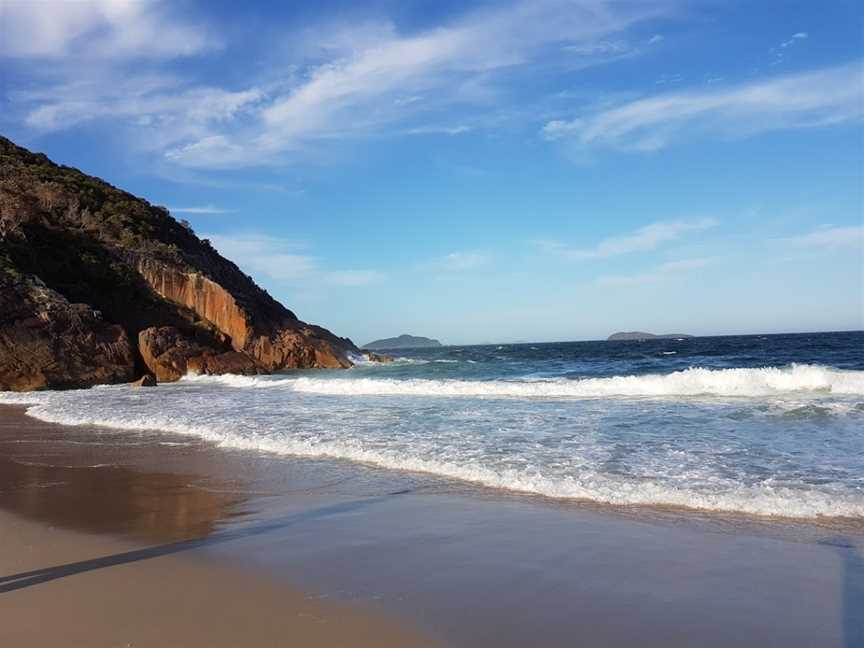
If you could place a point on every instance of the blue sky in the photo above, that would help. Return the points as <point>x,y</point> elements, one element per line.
<point>496,171</point>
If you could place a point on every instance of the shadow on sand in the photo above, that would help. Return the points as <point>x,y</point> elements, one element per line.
<point>853,589</point>
<point>22,580</point>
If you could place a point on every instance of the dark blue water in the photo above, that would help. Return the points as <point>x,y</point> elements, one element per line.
<point>843,350</point>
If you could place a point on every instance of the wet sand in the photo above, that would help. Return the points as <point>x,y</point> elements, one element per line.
<point>249,549</point>
<point>100,555</point>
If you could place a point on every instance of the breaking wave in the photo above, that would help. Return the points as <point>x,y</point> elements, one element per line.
<point>773,441</point>
<point>768,381</point>
<point>763,499</point>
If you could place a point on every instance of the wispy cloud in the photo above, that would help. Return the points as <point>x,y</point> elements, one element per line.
<point>207,209</point>
<point>649,237</point>
<point>157,108</point>
<point>664,272</point>
<point>443,61</point>
<point>283,261</point>
<point>97,29</point>
<point>459,261</point>
<point>778,53</point>
<point>455,265</point>
<point>606,51</point>
<point>352,277</point>
<point>828,238</point>
<point>821,98</point>
<point>365,80</point>
<point>438,130</point>
<point>794,39</point>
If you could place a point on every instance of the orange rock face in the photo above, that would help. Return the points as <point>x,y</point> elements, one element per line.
<point>274,345</point>
<point>207,298</point>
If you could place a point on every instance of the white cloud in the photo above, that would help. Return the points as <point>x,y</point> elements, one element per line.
<point>795,37</point>
<point>829,238</point>
<point>333,82</point>
<point>352,277</point>
<point>460,261</point>
<point>438,130</point>
<point>599,48</point>
<point>778,53</point>
<point>158,107</point>
<point>825,97</point>
<point>441,59</point>
<point>665,272</point>
<point>96,29</point>
<point>207,209</point>
<point>645,238</point>
<point>383,80</point>
<point>281,260</point>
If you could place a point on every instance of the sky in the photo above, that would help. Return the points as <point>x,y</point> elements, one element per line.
<point>478,172</point>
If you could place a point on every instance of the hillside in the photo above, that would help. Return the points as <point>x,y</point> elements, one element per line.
<point>99,286</point>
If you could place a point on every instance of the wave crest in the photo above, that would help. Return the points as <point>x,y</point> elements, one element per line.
<point>696,381</point>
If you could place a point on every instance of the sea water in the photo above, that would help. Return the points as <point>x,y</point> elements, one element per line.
<point>767,425</point>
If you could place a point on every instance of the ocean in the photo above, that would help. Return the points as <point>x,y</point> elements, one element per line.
<point>767,425</point>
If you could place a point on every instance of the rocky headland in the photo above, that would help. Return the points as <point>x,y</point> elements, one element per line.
<point>99,286</point>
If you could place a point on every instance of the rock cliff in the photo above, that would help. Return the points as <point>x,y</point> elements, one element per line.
<point>91,278</point>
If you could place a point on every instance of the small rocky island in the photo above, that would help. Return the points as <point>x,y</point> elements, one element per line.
<point>402,342</point>
<point>641,336</point>
<point>99,286</point>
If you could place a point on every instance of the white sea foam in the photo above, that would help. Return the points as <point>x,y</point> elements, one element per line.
<point>769,381</point>
<point>578,439</point>
<point>765,498</point>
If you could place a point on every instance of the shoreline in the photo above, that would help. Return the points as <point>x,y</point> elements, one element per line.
<point>636,510</point>
<point>109,568</point>
<point>396,551</point>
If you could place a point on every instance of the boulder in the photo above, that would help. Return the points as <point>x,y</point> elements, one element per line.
<point>166,352</point>
<point>46,342</point>
<point>376,357</point>
<point>170,354</point>
<point>145,381</point>
<point>230,362</point>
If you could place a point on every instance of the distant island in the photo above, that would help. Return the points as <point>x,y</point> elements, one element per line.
<point>640,335</point>
<point>402,342</point>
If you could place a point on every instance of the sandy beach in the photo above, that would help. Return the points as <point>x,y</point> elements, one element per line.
<point>148,539</point>
<point>529,323</point>
<point>98,556</point>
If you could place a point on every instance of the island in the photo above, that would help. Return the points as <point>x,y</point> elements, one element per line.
<point>403,342</point>
<point>641,336</point>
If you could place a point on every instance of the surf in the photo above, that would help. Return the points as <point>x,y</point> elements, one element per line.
<point>695,381</point>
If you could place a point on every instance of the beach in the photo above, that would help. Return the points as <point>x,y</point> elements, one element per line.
<point>460,324</point>
<point>114,560</point>
<point>124,538</point>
